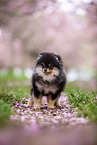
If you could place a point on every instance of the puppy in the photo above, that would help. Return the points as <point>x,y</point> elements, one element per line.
<point>49,79</point>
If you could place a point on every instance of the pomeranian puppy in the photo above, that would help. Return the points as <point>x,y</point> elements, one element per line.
<point>49,79</point>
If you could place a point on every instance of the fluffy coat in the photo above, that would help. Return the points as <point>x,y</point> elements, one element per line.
<point>49,79</point>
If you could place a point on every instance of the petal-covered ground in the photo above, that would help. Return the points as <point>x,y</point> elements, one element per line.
<point>46,117</point>
<point>58,126</point>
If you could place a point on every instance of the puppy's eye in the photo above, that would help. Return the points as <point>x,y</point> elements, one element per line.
<point>43,64</point>
<point>50,66</point>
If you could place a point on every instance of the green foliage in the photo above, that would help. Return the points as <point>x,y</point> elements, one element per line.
<point>8,76</point>
<point>85,101</point>
<point>5,112</point>
<point>15,93</point>
<point>10,94</point>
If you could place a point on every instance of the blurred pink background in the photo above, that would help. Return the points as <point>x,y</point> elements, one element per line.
<point>68,28</point>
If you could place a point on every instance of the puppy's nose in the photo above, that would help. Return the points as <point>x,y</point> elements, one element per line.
<point>45,70</point>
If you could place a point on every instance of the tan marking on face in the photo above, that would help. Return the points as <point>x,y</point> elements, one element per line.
<point>48,70</point>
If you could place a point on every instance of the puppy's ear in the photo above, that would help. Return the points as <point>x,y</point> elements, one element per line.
<point>58,57</point>
<point>40,56</point>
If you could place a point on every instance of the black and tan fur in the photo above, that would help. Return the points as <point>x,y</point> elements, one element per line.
<point>49,79</point>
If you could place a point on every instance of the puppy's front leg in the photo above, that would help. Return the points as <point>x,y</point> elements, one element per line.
<point>50,102</point>
<point>37,97</point>
<point>37,102</point>
<point>30,101</point>
<point>57,103</point>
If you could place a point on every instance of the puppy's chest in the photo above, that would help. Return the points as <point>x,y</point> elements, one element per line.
<point>42,87</point>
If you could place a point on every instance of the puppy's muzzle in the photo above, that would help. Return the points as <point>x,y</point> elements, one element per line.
<point>46,70</point>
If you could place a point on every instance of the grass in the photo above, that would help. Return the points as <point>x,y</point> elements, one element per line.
<point>10,94</point>
<point>5,112</point>
<point>84,101</point>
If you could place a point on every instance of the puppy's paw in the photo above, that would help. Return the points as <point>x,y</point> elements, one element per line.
<point>36,106</point>
<point>57,104</point>
<point>37,103</point>
<point>50,103</point>
<point>30,102</point>
<point>50,106</point>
